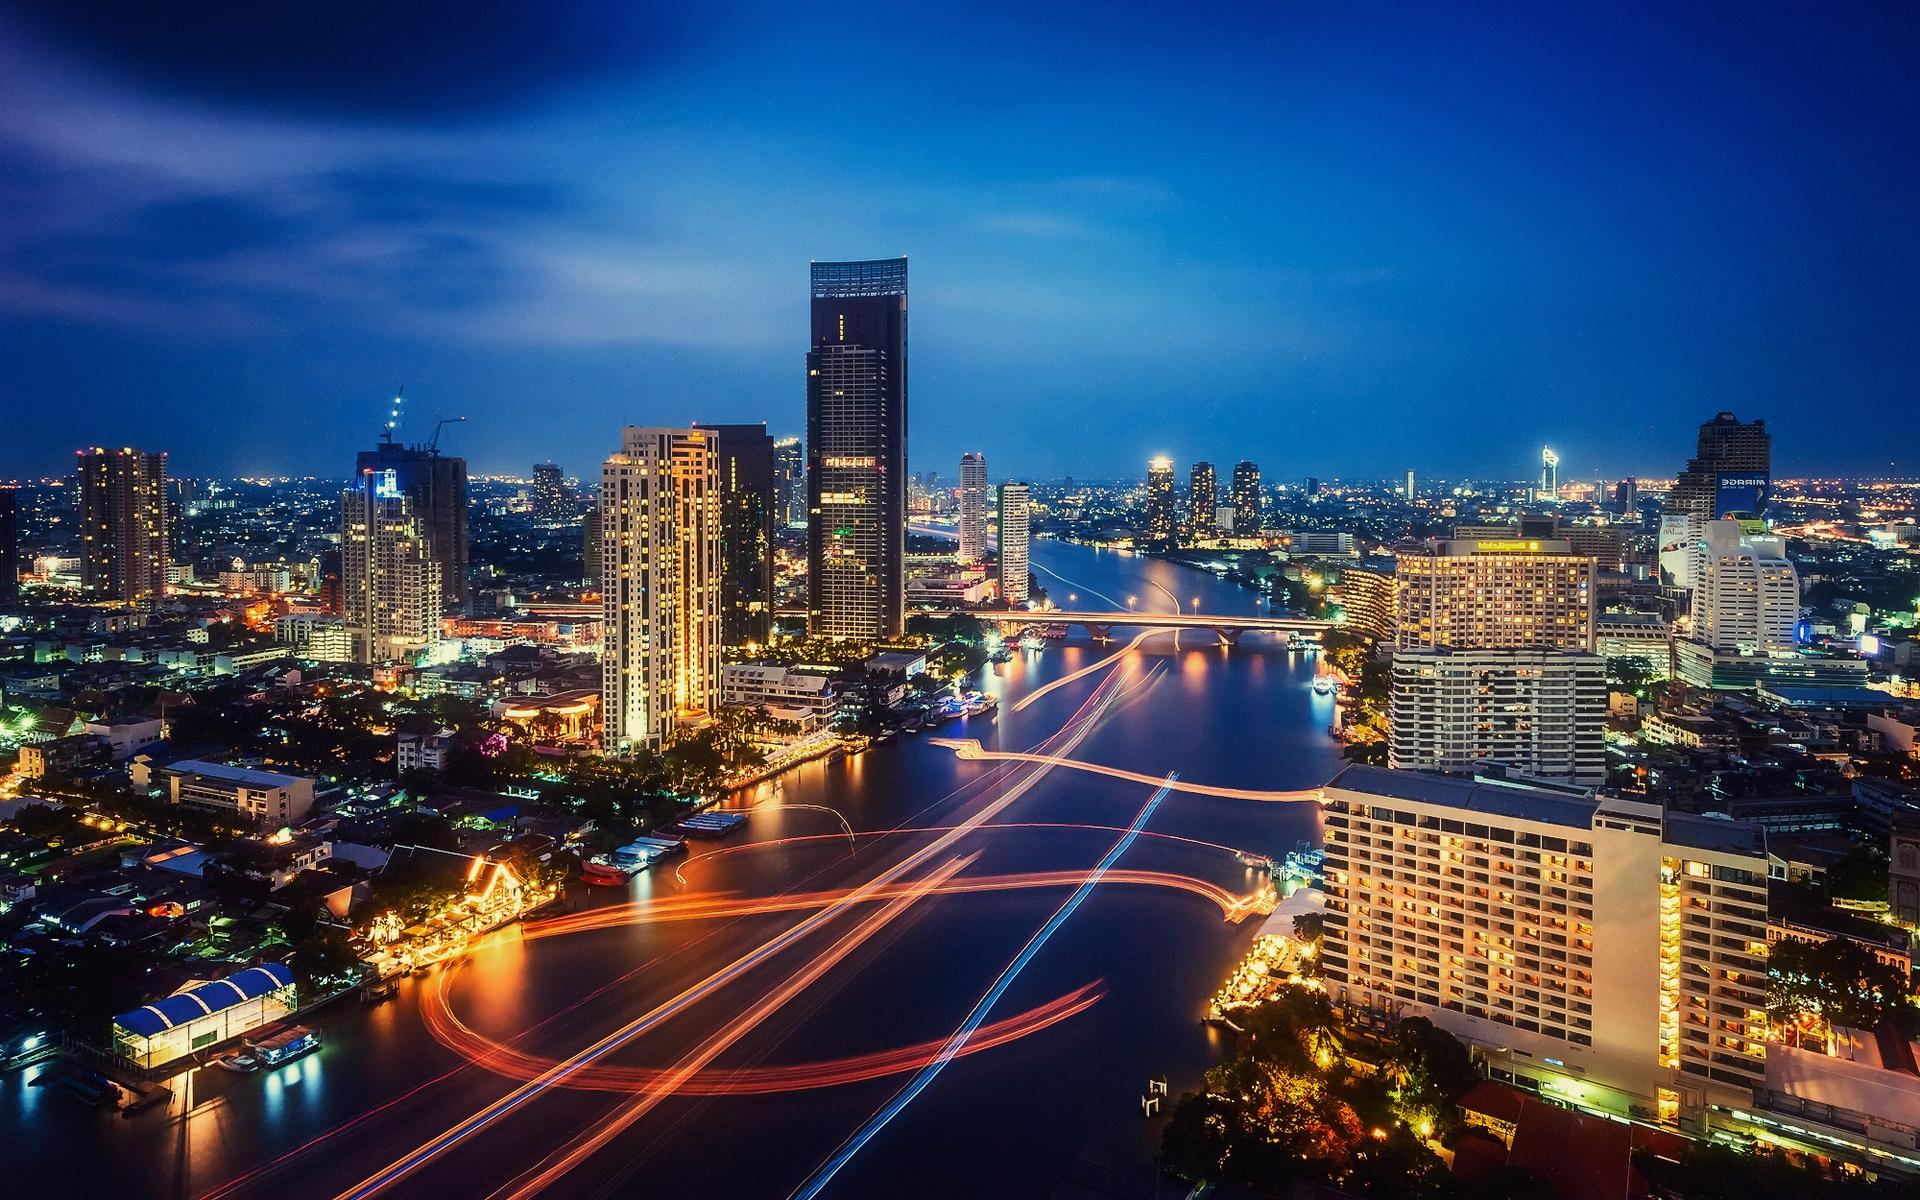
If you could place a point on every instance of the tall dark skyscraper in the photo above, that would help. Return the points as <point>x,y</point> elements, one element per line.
<point>437,485</point>
<point>1730,474</point>
<point>1247,499</point>
<point>1203,497</point>
<point>552,501</point>
<point>9,549</point>
<point>790,483</point>
<point>125,523</point>
<point>857,449</point>
<point>748,497</point>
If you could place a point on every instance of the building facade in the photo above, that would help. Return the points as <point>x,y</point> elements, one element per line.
<point>264,798</point>
<point>1746,594</point>
<point>1730,473</point>
<point>1539,712</point>
<point>391,586</point>
<point>1162,524</point>
<point>660,584</point>
<point>790,483</point>
<point>437,486</point>
<point>857,450</point>
<point>552,502</point>
<point>1483,594</point>
<point>1203,497</point>
<point>973,508</point>
<point>1249,502</point>
<point>1016,541</point>
<point>1607,952</point>
<point>126,524</point>
<point>748,499</point>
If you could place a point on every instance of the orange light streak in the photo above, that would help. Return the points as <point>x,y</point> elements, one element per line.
<point>969,750</point>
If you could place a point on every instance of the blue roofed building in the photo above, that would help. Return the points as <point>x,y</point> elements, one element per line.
<point>204,1015</point>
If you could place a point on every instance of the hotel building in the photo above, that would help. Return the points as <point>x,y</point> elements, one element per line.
<point>1608,953</point>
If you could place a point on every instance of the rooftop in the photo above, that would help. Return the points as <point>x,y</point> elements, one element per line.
<point>205,1000</point>
<point>1526,802</point>
<point>242,775</point>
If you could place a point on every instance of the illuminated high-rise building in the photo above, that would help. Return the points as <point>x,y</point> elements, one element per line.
<point>1482,594</point>
<point>973,507</point>
<point>790,483</point>
<point>748,496</point>
<point>551,500</point>
<point>1407,491</point>
<point>1494,661</point>
<point>125,524</point>
<point>390,580</point>
<point>660,579</point>
<point>1016,535</point>
<point>1730,474</point>
<point>1161,521</point>
<point>590,543</point>
<point>437,485</point>
<point>1601,949</point>
<point>1203,497</point>
<point>1746,593</point>
<point>857,450</point>
<point>1248,501</point>
<point>1549,476</point>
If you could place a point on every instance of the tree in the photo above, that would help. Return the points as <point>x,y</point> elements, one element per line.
<point>1859,874</point>
<point>1429,1069</point>
<point>1631,674</point>
<point>1835,982</point>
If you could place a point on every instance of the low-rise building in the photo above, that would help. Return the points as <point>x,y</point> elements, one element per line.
<point>74,754</point>
<point>202,1016</point>
<point>265,798</point>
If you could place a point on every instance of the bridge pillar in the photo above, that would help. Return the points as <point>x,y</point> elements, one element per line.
<point>1228,637</point>
<point>1099,633</point>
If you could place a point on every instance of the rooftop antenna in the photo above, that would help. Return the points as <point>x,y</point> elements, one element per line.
<point>393,416</point>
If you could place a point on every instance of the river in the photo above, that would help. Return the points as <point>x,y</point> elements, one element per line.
<point>1011,1120</point>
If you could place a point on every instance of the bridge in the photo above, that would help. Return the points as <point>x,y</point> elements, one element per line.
<point>1102,624</point>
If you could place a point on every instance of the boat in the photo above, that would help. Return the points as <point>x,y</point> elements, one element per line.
<point>285,1046</point>
<point>1323,686</point>
<point>713,824</point>
<point>595,873</point>
<point>376,990</point>
<point>239,1062</point>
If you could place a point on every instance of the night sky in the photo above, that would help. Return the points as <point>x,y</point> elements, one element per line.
<point>1335,239</point>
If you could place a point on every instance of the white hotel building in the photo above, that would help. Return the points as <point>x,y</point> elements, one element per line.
<point>1596,948</point>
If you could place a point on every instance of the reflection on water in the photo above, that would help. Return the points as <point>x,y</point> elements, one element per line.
<point>1244,715</point>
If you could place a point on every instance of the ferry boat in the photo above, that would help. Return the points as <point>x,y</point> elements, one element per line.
<point>279,1049</point>
<point>1323,686</point>
<point>713,824</point>
<point>238,1062</point>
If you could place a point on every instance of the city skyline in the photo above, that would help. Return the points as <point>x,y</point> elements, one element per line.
<point>235,225</point>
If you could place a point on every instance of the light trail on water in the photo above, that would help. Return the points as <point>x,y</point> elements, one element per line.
<point>821,1177</point>
<point>969,749</point>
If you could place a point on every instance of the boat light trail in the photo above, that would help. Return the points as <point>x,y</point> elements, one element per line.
<point>1069,737</point>
<point>969,749</point>
<point>584,1145</point>
<point>822,1176</point>
<point>1090,668</point>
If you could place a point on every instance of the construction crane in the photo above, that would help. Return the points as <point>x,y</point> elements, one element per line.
<point>393,414</point>
<point>433,446</point>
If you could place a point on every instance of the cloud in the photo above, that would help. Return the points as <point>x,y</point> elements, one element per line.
<point>425,60</point>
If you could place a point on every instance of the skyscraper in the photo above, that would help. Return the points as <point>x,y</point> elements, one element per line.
<point>1160,514</point>
<point>1626,496</point>
<point>748,497</point>
<point>590,543</point>
<point>1408,490</point>
<point>1247,499</point>
<point>973,507</point>
<point>790,483</point>
<point>1549,476</point>
<point>437,485</point>
<point>1016,532</point>
<point>125,520</point>
<point>1730,474</point>
<point>1494,641</point>
<point>391,584</point>
<point>1746,594</point>
<point>1203,497</point>
<point>660,584</point>
<point>9,548</point>
<point>551,500</point>
<point>857,449</point>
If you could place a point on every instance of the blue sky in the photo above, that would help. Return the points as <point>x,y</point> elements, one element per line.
<point>1335,242</point>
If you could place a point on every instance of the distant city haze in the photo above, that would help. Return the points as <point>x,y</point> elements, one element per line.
<point>1316,240</point>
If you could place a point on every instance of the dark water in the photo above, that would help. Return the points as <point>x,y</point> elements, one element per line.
<point>1009,1121</point>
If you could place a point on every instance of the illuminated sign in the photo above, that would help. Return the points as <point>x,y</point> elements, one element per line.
<point>1741,493</point>
<point>387,486</point>
<point>848,461</point>
<point>1528,547</point>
